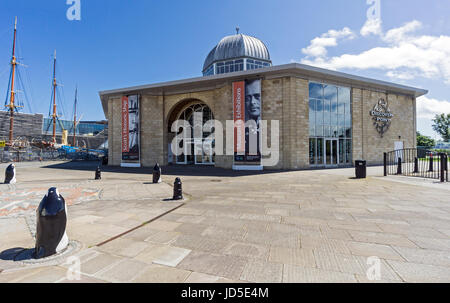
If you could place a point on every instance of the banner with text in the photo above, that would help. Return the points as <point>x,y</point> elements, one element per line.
<point>247,117</point>
<point>130,129</point>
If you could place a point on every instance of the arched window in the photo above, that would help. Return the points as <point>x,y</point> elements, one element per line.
<point>197,149</point>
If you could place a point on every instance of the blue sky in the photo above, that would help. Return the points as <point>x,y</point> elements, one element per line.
<point>124,43</point>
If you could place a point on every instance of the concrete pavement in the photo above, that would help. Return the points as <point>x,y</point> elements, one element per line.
<point>298,226</point>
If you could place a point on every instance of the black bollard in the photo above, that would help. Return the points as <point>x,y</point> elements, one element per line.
<point>51,217</point>
<point>177,190</point>
<point>399,166</point>
<point>416,165</point>
<point>98,173</point>
<point>10,174</point>
<point>157,174</point>
<point>431,163</point>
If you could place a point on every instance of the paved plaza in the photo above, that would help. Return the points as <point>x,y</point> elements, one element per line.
<point>294,226</point>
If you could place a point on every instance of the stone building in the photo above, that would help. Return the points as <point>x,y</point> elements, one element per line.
<point>326,118</point>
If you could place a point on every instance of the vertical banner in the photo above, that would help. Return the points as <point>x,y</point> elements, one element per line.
<point>125,146</point>
<point>239,116</point>
<point>130,130</point>
<point>247,109</point>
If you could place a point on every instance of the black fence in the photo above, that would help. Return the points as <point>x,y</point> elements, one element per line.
<point>29,154</point>
<point>416,162</point>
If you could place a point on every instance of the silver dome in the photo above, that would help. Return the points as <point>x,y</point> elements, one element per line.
<point>237,46</point>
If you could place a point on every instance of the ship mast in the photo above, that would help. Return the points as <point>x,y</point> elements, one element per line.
<point>54,99</point>
<point>75,118</point>
<point>11,104</point>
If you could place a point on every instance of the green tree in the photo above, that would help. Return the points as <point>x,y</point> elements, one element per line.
<point>424,141</point>
<point>441,125</point>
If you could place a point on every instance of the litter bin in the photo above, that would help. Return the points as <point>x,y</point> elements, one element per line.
<point>360,169</point>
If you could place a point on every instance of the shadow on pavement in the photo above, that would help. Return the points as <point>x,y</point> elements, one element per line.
<point>17,254</point>
<point>171,170</point>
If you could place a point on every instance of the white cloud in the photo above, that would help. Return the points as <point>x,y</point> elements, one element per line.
<point>404,56</point>
<point>427,108</point>
<point>317,47</point>
<point>372,26</point>
<point>401,75</point>
<point>399,34</point>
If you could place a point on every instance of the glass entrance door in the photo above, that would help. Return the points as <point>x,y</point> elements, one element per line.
<point>204,152</point>
<point>331,152</point>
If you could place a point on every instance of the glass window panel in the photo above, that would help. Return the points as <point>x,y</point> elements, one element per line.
<point>334,131</point>
<point>315,90</point>
<point>344,95</point>
<point>319,151</point>
<point>334,119</point>
<point>250,61</point>
<point>319,130</point>
<point>348,132</point>
<point>326,112</point>
<point>334,145</point>
<point>312,130</point>
<point>319,112</point>
<point>330,92</point>
<point>334,106</point>
<point>341,120</point>
<point>239,61</point>
<point>348,116</point>
<point>341,131</point>
<point>219,64</point>
<point>326,131</point>
<point>312,111</point>
<point>348,151</point>
<point>341,151</point>
<point>312,151</point>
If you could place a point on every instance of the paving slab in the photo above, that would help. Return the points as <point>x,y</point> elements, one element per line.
<point>230,267</point>
<point>262,272</point>
<point>421,273</point>
<point>299,274</point>
<point>162,274</point>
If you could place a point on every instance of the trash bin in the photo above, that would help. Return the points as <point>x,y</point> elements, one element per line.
<point>360,169</point>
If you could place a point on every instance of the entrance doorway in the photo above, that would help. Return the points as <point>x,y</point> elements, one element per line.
<point>331,152</point>
<point>199,150</point>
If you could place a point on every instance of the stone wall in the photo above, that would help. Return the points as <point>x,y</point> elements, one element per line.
<point>367,142</point>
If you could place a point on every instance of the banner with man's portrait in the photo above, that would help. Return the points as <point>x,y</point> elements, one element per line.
<point>130,129</point>
<point>247,117</point>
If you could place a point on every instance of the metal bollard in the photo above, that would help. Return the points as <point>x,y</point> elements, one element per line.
<point>399,166</point>
<point>177,190</point>
<point>442,170</point>
<point>416,165</point>
<point>431,163</point>
<point>157,174</point>
<point>385,164</point>
<point>98,173</point>
<point>10,174</point>
<point>51,222</point>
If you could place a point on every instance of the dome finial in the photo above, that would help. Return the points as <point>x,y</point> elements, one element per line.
<point>237,30</point>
